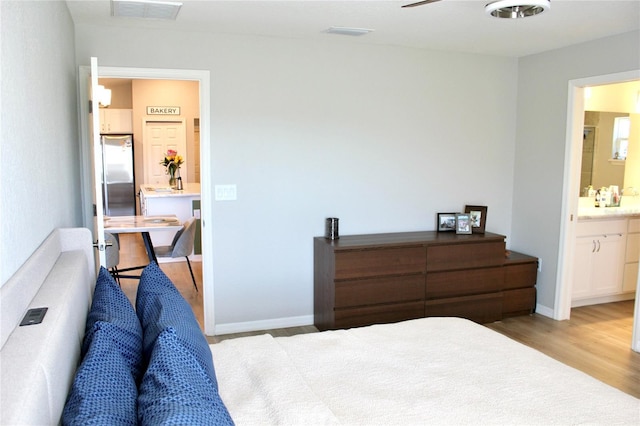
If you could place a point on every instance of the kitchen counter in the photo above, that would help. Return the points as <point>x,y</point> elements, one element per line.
<point>155,191</point>
<point>161,200</point>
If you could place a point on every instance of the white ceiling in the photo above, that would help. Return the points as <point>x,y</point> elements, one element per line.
<point>456,25</point>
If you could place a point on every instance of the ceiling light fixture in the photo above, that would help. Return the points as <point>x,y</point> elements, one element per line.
<point>348,31</point>
<point>150,9</point>
<point>514,9</point>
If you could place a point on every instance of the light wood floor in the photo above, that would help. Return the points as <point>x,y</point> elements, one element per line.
<point>596,340</point>
<point>132,253</point>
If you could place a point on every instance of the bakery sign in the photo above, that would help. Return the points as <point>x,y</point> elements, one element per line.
<point>163,110</point>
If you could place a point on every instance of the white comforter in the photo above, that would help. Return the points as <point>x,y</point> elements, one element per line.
<point>428,371</point>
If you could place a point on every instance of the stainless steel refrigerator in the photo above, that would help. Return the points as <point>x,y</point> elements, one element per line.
<point>118,184</point>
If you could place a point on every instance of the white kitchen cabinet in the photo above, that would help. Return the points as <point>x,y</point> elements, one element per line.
<point>632,256</point>
<point>116,121</point>
<point>599,259</point>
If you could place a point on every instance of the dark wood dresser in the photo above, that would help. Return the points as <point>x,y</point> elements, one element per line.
<point>378,278</point>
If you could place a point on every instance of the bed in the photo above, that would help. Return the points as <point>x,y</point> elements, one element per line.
<point>444,371</point>
<point>109,363</point>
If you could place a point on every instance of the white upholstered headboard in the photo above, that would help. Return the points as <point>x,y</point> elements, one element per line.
<point>38,362</point>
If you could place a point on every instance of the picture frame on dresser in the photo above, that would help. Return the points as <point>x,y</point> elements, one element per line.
<point>478,218</point>
<point>463,223</point>
<point>446,222</point>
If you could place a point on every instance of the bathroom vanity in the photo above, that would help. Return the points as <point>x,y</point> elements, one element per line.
<point>605,267</point>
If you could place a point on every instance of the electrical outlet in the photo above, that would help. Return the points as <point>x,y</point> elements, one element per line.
<point>539,265</point>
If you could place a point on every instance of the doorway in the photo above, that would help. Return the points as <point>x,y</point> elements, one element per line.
<point>203,79</point>
<point>571,187</point>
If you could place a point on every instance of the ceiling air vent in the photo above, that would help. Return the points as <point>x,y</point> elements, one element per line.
<point>348,31</point>
<point>147,9</point>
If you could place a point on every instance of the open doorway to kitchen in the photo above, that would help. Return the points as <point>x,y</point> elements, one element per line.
<point>153,76</point>
<point>571,185</point>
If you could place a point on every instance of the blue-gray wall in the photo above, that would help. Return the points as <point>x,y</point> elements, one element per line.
<point>39,152</point>
<point>543,91</point>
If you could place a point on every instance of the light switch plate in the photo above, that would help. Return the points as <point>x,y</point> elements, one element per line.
<point>226,193</point>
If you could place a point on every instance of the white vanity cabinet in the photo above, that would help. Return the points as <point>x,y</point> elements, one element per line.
<point>598,259</point>
<point>632,256</point>
<point>116,121</point>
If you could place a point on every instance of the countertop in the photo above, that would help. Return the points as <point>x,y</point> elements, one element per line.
<point>629,207</point>
<point>155,191</point>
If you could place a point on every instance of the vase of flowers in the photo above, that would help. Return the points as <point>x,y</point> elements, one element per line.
<point>172,162</point>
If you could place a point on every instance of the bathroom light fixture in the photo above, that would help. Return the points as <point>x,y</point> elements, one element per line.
<point>150,9</point>
<point>348,31</point>
<point>514,9</point>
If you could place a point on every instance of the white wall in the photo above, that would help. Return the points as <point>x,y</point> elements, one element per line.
<point>40,178</point>
<point>543,84</point>
<point>381,137</point>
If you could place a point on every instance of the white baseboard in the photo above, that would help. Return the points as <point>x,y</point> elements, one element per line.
<point>543,310</point>
<point>241,327</point>
<point>192,258</point>
<point>603,299</point>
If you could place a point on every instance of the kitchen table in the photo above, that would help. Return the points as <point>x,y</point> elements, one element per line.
<point>142,225</point>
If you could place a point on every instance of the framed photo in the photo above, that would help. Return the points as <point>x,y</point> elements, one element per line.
<point>478,218</point>
<point>463,223</point>
<point>446,222</point>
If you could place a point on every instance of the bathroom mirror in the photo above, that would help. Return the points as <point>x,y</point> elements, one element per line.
<point>599,167</point>
<point>603,160</point>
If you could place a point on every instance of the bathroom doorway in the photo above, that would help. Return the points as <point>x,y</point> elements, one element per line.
<point>571,185</point>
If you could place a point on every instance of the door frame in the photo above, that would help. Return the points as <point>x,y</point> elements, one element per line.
<point>206,201</point>
<point>571,187</point>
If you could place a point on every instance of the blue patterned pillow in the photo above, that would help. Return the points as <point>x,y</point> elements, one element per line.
<point>175,348</point>
<point>176,389</point>
<point>105,388</point>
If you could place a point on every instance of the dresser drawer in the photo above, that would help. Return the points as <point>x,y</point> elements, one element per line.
<point>482,308</point>
<point>521,275</point>
<point>463,256</point>
<point>357,317</point>
<point>379,290</point>
<point>518,302</point>
<point>371,263</point>
<point>467,282</point>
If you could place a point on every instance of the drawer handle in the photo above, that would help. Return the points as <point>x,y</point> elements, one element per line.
<point>598,246</point>
<point>593,249</point>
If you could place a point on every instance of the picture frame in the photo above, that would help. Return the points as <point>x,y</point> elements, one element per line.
<point>478,218</point>
<point>446,222</point>
<point>463,223</point>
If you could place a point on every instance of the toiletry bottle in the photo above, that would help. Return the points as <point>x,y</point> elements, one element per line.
<point>597,204</point>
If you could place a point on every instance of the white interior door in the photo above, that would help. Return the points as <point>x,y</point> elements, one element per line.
<point>96,151</point>
<point>158,138</point>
